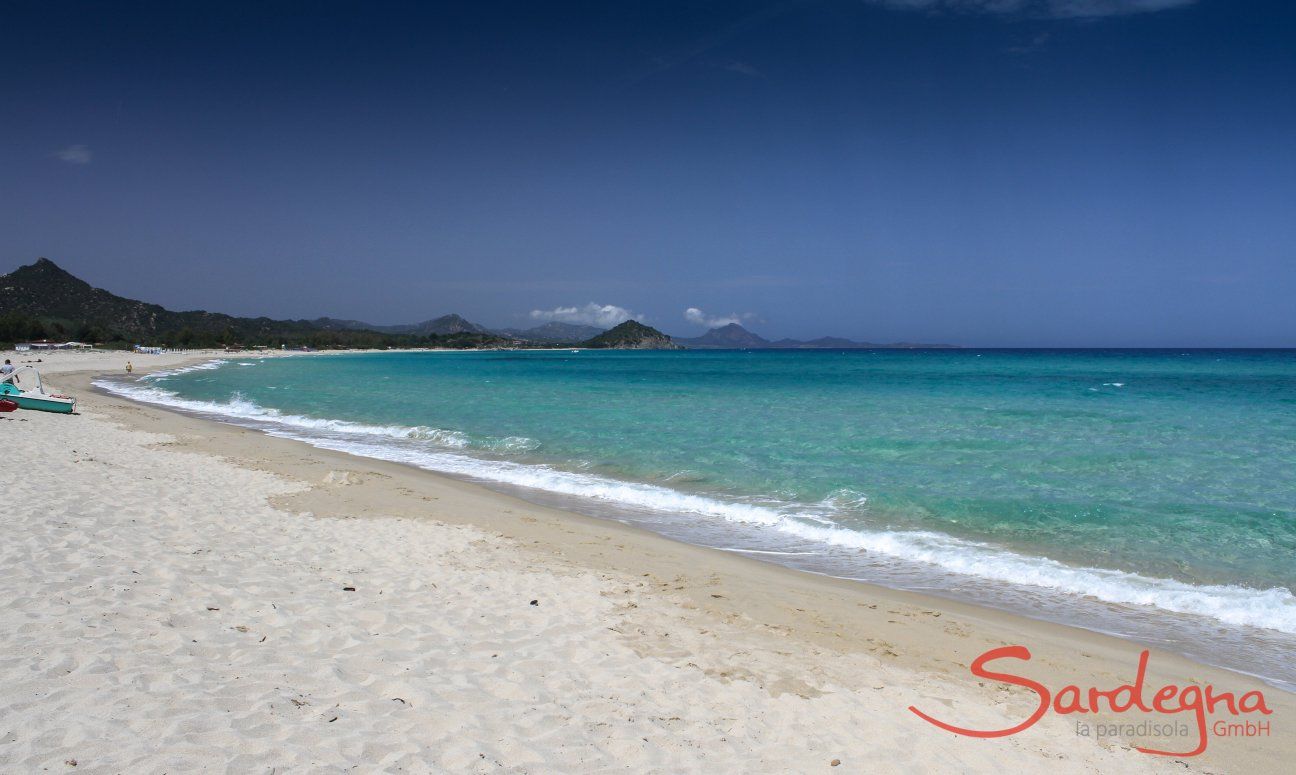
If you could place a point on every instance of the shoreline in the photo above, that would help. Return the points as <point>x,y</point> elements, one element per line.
<point>844,633</point>
<point>1199,638</point>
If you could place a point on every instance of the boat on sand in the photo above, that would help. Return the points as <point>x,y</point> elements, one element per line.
<point>23,386</point>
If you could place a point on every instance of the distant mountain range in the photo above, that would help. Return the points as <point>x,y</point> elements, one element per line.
<point>630,335</point>
<point>729,337</point>
<point>553,332</point>
<point>442,326</point>
<point>735,337</point>
<point>565,333</point>
<point>41,300</point>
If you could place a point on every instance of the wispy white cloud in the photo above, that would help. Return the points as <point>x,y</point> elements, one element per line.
<point>742,68</point>
<point>602,315</point>
<point>74,154</point>
<point>1082,8</point>
<point>700,318</point>
<point>1053,9</point>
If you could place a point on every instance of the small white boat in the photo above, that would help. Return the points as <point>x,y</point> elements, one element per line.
<point>23,386</point>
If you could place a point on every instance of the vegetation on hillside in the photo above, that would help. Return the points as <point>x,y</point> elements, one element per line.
<point>633,335</point>
<point>42,301</point>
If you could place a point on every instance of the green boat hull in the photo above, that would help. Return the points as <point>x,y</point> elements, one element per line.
<point>43,404</point>
<point>35,396</point>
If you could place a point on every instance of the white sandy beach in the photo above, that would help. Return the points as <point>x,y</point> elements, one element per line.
<point>186,596</point>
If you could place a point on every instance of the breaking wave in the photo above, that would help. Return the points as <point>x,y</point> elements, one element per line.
<point>445,451</point>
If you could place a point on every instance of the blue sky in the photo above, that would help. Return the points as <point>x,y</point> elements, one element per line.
<point>983,172</point>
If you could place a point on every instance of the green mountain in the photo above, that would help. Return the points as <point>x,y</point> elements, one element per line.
<point>43,290</point>
<point>632,335</point>
<point>43,301</point>
<point>442,326</point>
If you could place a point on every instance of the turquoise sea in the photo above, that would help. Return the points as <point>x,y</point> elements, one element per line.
<point>1147,493</point>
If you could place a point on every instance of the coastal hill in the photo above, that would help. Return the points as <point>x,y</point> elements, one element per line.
<point>632,335</point>
<point>43,301</point>
<point>445,326</point>
<point>735,337</point>
<point>44,290</point>
<point>730,337</point>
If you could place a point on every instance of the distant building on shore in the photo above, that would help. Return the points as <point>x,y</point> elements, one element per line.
<point>45,344</point>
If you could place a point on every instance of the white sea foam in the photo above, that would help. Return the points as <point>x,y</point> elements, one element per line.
<point>239,408</point>
<point>207,366</point>
<point>1273,608</point>
<point>845,498</point>
<point>741,550</point>
<point>512,444</point>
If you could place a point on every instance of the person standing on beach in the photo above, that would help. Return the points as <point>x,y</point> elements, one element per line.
<point>7,368</point>
<point>129,367</point>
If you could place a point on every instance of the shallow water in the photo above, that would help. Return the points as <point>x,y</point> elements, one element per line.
<point>1147,493</point>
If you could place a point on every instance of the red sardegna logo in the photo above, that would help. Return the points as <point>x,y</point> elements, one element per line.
<point>1169,700</point>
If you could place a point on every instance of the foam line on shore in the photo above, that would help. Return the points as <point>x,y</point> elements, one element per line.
<point>442,451</point>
